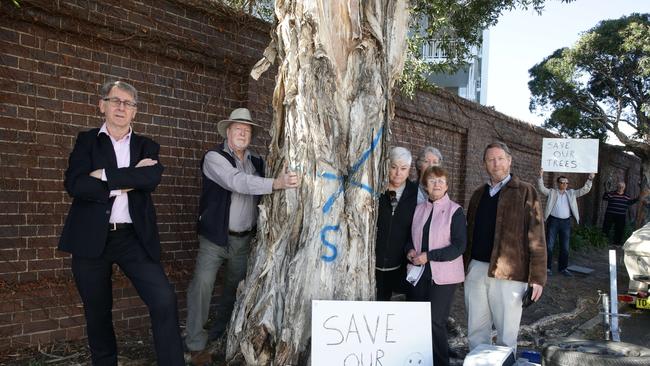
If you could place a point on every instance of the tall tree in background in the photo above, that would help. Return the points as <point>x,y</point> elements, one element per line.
<point>338,63</point>
<point>600,85</point>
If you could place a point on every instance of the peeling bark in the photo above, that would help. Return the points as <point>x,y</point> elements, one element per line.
<point>338,64</point>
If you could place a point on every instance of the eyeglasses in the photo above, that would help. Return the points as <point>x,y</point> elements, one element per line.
<point>116,102</point>
<point>435,181</point>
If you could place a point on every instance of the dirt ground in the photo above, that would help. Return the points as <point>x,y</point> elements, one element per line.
<point>566,304</point>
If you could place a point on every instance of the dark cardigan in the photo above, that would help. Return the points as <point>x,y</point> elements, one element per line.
<point>394,231</point>
<point>214,204</point>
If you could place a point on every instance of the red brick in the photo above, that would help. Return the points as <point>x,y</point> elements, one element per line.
<point>8,254</point>
<point>8,242</point>
<point>7,331</point>
<point>44,264</point>
<point>27,231</point>
<point>12,267</point>
<point>41,242</point>
<point>12,219</point>
<point>75,333</point>
<point>45,253</point>
<point>13,277</point>
<point>79,108</point>
<point>26,254</point>
<point>26,112</point>
<point>75,320</point>
<point>28,40</point>
<point>20,342</point>
<point>12,98</point>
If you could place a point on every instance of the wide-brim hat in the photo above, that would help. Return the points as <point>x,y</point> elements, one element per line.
<point>240,115</point>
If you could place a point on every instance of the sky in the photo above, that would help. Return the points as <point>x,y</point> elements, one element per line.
<point>522,39</point>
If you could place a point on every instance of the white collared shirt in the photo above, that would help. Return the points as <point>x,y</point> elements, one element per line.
<point>120,211</point>
<point>494,189</point>
<point>561,209</point>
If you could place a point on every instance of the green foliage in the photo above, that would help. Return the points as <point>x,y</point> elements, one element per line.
<point>16,3</point>
<point>599,83</point>
<point>263,9</point>
<point>585,237</point>
<point>458,25</point>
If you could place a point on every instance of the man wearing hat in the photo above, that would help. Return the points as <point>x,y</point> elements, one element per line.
<point>233,180</point>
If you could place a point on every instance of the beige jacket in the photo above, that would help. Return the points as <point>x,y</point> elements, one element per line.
<point>553,194</point>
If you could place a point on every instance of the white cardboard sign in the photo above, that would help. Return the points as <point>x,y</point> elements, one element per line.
<point>370,333</point>
<point>570,155</point>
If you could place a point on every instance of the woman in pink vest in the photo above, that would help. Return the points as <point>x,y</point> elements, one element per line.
<point>439,237</point>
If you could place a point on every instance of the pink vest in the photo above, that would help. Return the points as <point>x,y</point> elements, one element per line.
<point>442,273</point>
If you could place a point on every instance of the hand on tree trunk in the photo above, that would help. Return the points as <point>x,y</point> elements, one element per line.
<point>286,180</point>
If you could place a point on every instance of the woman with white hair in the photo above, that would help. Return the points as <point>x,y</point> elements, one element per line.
<point>396,207</point>
<point>429,156</point>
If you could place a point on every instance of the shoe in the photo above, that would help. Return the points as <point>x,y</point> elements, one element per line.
<point>200,358</point>
<point>566,273</point>
<point>549,272</point>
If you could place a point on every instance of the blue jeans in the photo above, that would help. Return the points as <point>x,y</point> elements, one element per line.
<point>558,227</point>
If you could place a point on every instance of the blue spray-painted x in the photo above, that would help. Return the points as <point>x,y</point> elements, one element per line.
<point>343,181</point>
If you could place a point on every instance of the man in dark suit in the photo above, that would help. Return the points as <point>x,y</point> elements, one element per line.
<point>111,174</point>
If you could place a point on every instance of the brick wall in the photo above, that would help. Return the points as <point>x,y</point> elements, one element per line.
<point>461,130</point>
<point>189,61</point>
<point>190,68</point>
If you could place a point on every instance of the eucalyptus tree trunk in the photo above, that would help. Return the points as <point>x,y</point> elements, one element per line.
<point>338,63</point>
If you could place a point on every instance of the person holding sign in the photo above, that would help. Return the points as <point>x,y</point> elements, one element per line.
<point>395,214</point>
<point>439,237</point>
<point>506,251</point>
<point>617,204</point>
<point>560,206</point>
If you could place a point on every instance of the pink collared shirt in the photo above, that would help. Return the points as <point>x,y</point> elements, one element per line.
<point>120,212</point>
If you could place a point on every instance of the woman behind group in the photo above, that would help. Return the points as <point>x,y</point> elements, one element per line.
<point>439,237</point>
<point>396,207</point>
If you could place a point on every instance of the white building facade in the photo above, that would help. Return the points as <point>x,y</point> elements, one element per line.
<point>470,81</point>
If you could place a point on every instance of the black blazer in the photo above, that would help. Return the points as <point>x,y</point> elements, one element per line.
<point>86,226</point>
